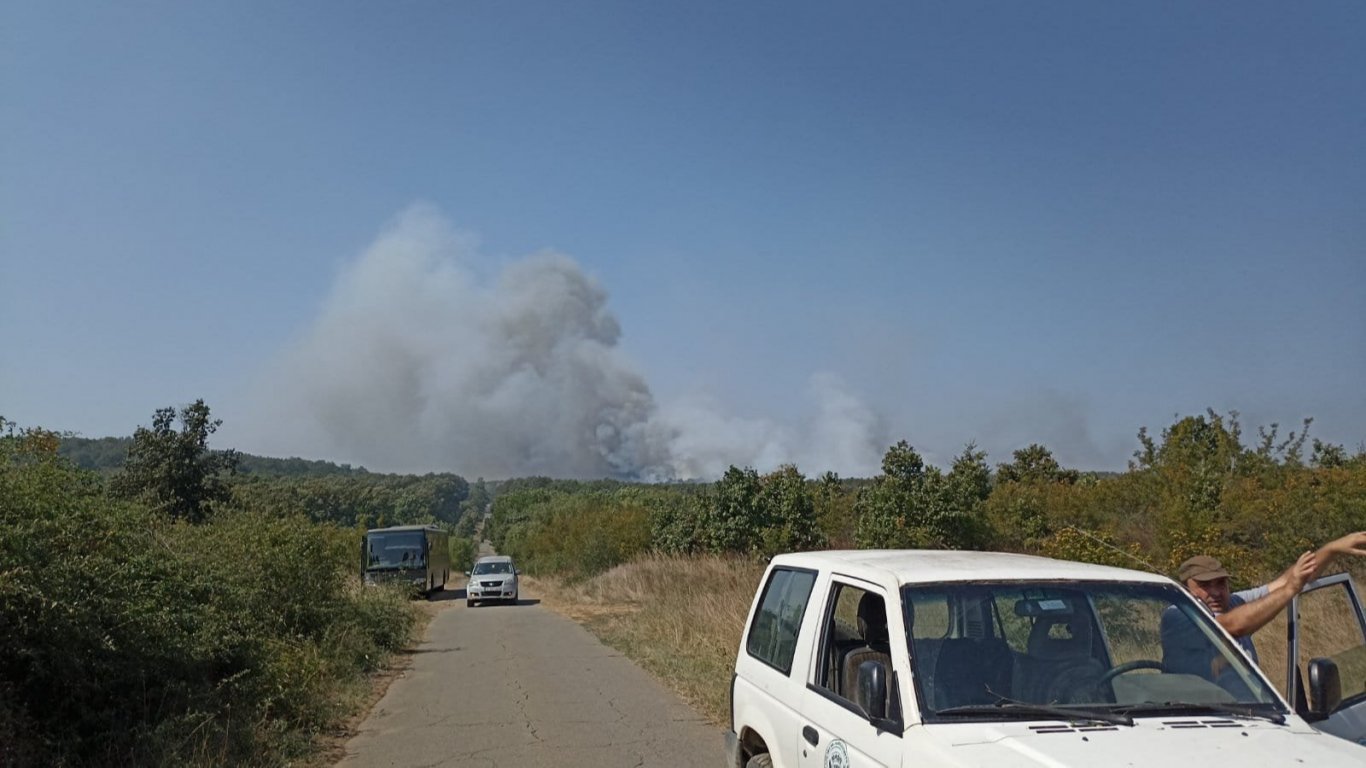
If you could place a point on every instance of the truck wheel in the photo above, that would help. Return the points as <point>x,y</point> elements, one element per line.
<point>762,760</point>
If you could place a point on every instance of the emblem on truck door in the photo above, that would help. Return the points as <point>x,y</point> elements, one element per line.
<point>836,756</point>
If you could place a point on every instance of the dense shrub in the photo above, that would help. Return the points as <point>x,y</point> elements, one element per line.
<point>463,553</point>
<point>131,639</point>
<point>576,535</point>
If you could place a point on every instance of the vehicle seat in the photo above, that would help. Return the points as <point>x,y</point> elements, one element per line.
<point>970,671</point>
<point>1059,666</point>
<point>872,627</point>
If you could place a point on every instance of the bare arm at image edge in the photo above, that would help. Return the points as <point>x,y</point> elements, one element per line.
<point>1252,616</point>
<point>1353,544</point>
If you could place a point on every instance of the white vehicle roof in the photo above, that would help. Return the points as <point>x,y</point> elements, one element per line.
<point>923,566</point>
<point>494,559</point>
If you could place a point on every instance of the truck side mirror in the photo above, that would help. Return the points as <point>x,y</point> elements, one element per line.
<point>872,689</point>
<point>1325,689</point>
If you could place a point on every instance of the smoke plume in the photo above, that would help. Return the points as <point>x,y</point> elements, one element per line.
<point>415,363</point>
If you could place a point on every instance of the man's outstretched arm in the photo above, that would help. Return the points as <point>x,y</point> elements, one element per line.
<point>1250,617</point>
<point>1353,544</point>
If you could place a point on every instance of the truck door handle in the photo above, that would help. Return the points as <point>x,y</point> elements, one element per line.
<point>811,736</point>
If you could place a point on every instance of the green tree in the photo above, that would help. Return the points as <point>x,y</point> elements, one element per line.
<point>736,519</point>
<point>913,505</point>
<point>174,472</point>
<point>789,513</point>
<point>677,520</point>
<point>899,510</point>
<point>834,511</point>
<point>1328,455</point>
<point>1035,464</point>
<point>963,496</point>
<point>477,503</point>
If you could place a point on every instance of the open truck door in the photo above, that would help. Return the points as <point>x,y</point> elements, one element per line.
<point>1327,677</point>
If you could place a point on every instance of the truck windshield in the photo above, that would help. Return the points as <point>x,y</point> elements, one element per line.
<point>992,650</point>
<point>400,549</point>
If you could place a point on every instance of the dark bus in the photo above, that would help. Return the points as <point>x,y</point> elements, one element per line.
<point>417,555</point>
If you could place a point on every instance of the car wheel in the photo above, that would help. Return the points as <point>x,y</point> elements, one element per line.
<point>469,603</point>
<point>763,760</point>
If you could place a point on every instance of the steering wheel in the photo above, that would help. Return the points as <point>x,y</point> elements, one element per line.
<point>1126,667</point>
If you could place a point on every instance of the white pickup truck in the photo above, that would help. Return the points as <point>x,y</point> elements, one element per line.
<point>941,658</point>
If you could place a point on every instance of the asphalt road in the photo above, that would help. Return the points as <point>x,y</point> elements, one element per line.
<point>518,685</point>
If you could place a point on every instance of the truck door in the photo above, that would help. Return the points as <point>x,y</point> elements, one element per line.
<point>836,732</point>
<point>1326,622</point>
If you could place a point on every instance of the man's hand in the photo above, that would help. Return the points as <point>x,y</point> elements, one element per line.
<point>1302,572</point>
<point>1351,544</point>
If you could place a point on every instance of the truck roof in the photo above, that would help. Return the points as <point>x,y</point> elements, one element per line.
<point>395,528</point>
<point>921,566</point>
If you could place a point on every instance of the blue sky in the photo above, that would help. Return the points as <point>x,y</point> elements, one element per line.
<point>993,222</point>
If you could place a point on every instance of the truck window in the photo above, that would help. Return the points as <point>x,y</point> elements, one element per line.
<point>1334,632</point>
<point>855,631</point>
<point>773,635</point>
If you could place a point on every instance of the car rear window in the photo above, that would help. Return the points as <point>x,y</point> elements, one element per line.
<point>773,635</point>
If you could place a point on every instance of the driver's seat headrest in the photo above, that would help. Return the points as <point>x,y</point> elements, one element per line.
<point>872,618</point>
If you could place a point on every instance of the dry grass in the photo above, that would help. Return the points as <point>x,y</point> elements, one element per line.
<point>678,617</point>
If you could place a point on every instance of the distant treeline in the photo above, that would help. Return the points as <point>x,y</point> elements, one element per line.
<point>108,454</point>
<point>320,490</point>
<point>1196,487</point>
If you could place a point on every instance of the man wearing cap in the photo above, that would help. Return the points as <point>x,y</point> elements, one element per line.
<point>1240,613</point>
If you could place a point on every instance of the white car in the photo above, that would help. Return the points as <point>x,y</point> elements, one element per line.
<point>491,578</point>
<point>971,659</point>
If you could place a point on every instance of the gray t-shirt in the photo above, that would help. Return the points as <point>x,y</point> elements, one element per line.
<point>1185,649</point>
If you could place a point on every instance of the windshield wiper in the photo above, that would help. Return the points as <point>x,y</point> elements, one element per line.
<point>1020,709</point>
<point>1255,711</point>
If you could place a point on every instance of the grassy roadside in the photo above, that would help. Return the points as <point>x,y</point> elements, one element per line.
<point>678,617</point>
<point>361,695</point>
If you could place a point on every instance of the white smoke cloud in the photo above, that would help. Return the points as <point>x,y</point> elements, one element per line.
<point>844,436</point>
<point>416,364</point>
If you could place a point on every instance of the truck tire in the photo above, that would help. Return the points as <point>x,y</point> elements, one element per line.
<point>761,760</point>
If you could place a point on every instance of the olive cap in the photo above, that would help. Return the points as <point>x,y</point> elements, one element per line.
<point>1202,568</point>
